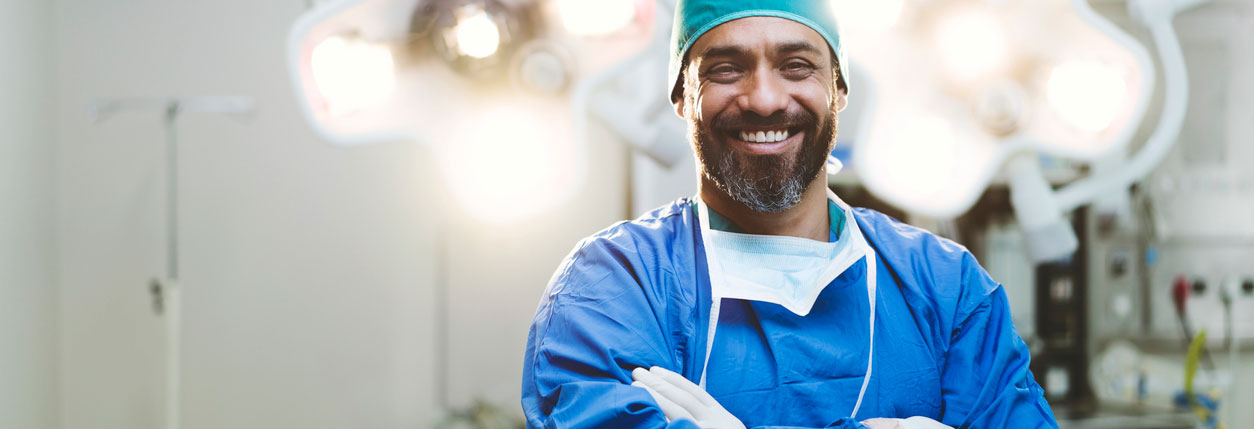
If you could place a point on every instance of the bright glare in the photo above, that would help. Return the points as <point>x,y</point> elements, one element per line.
<point>1087,94</point>
<point>923,156</point>
<point>478,36</point>
<point>352,74</point>
<point>972,43</point>
<point>505,165</point>
<point>596,17</point>
<point>875,15</point>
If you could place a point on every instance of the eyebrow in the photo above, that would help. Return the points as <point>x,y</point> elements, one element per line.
<point>783,48</point>
<point>724,51</point>
<point>798,46</point>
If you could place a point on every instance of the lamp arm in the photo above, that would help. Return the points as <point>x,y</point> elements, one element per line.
<point>581,94</point>
<point>1175,105</point>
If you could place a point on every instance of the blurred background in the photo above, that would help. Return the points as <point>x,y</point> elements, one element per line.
<point>342,213</point>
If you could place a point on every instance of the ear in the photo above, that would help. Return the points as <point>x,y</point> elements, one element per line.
<point>842,99</point>
<point>677,97</point>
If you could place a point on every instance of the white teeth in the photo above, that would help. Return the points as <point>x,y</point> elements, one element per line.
<point>764,136</point>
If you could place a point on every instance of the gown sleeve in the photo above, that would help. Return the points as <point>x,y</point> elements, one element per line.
<point>985,381</point>
<point>599,319</point>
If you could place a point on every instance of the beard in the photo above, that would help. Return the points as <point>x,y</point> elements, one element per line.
<point>764,183</point>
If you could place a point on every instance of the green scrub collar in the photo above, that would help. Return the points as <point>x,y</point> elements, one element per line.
<point>694,18</point>
<point>835,214</point>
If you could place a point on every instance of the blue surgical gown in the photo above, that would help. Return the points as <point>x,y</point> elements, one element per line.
<point>638,295</point>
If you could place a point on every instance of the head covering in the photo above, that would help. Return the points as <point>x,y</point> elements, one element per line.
<point>694,18</point>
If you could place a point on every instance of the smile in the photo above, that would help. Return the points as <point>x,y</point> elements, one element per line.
<point>765,141</point>
<point>764,136</point>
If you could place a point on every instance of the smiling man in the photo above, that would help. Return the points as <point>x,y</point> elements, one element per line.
<point>766,300</point>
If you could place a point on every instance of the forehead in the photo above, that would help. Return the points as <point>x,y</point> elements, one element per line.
<point>758,34</point>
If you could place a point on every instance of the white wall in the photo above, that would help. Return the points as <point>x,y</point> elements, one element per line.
<point>305,271</point>
<point>309,270</point>
<point>27,299</point>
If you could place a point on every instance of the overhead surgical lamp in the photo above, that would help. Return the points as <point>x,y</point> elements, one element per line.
<point>959,89</point>
<point>488,85</point>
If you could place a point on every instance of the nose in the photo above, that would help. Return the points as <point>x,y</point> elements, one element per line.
<point>765,96</point>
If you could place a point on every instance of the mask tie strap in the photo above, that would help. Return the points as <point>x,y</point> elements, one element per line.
<point>871,266</point>
<point>713,269</point>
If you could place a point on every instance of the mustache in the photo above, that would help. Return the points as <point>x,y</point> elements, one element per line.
<point>731,121</point>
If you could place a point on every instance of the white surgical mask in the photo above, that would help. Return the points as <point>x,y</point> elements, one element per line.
<point>788,271</point>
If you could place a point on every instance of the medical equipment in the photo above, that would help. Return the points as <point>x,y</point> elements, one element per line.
<point>960,89</point>
<point>166,291</point>
<point>375,71</point>
<point>499,91</point>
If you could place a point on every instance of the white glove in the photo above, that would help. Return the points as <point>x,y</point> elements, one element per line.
<point>916,422</point>
<point>680,399</point>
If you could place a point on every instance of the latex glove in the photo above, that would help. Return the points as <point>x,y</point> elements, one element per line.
<point>681,399</point>
<point>916,422</point>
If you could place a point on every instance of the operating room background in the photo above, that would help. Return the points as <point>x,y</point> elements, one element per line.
<point>311,272</point>
<point>308,270</point>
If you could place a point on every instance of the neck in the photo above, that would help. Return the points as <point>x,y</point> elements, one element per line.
<point>808,219</point>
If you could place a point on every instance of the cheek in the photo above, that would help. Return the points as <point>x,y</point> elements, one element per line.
<point>817,99</point>
<point>711,102</point>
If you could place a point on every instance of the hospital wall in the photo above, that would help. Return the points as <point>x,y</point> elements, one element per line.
<point>309,272</point>
<point>28,377</point>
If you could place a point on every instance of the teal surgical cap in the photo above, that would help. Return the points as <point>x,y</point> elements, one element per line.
<point>694,18</point>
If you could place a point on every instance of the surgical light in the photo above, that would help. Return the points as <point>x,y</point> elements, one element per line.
<point>477,36</point>
<point>595,17</point>
<point>495,90</point>
<point>985,67</point>
<point>875,15</point>
<point>1086,94</point>
<point>972,43</point>
<point>352,74</point>
<point>1002,108</point>
<point>1015,80</point>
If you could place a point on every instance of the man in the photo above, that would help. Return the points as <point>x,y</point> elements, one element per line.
<point>766,301</point>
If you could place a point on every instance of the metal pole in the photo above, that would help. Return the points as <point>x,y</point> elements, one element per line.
<point>442,314</point>
<point>167,291</point>
<point>172,190</point>
<point>174,313</point>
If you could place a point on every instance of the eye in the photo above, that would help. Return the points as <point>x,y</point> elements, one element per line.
<point>797,69</point>
<point>723,73</point>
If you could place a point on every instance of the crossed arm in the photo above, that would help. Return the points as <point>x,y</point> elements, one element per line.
<point>591,333</point>
<point>582,363</point>
<point>681,399</point>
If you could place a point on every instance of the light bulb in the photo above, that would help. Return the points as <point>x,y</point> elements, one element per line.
<point>972,43</point>
<point>477,35</point>
<point>352,74</point>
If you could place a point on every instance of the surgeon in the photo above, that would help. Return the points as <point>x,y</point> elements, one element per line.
<point>766,301</point>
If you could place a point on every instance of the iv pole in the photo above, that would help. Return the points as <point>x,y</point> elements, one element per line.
<point>166,292</point>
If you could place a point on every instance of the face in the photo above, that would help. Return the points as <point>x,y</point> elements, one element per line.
<point>761,102</point>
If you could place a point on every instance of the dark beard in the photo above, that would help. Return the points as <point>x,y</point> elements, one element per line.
<point>764,183</point>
